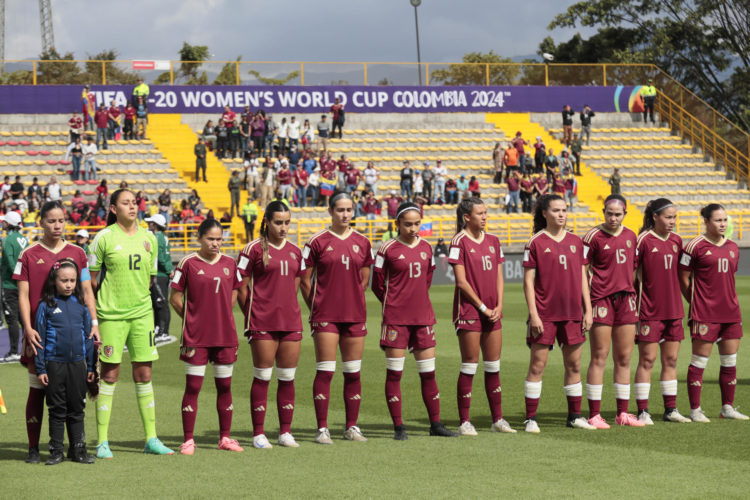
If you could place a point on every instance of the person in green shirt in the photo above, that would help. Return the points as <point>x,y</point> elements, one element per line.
<point>123,262</point>
<point>140,90</point>
<point>390,233</point>
<point>576,147</point>
<point>249,216</point>
<point>200,160</point>
<point>82,240</point>
<point>13,245</point>
<point>614,181</point>
<point>648,96</point>
<point>160,289</point>
<point>278,197</point>
<point>234,186</point>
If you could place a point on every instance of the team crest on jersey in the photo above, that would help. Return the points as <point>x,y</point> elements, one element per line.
<point>731,253</point>
<point>423,255</point>
<point>602,311</point>
<point>573,248</point>
<point>188,352</point>
<point>108,350</point>
<point>293,255</point>
<point>629,243</point>
<point>147,246</point>
<point>355,248</point>
<point>226,271</point>
<point>645,330</point>
<point>492,249</point>
<point>392,334</point>
<point>674,247</point>
<point>702,329</point>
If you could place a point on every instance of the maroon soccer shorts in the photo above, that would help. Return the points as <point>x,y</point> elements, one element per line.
<point>617,309</point>
<point>278,336</point>
<point>200,356</point>
<point>715,332</point>
<point>407,337</point>
<point>483,324</point>
<point>668,330</point>
<point>565,332</point>
<point>344,329</point>
<point>27,354</point>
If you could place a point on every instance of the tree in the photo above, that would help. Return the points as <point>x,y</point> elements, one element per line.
<point>704,44</point>
<point>114,74</point>
<point>274,81</point>
<point>54,68</point>
<point>228,74</point>
<point>18,77</point>
<point>476,72</point>
<point>192,57</point>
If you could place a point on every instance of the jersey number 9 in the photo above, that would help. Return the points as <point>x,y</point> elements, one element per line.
<point>564,262</point>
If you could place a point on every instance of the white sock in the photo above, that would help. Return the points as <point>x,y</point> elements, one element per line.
<point>622,391</point>
<point>594,392</point>
<point>668,387</point>
<point>642,390</point>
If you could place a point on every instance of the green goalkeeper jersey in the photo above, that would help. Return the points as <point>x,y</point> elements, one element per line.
<point>126,264</point>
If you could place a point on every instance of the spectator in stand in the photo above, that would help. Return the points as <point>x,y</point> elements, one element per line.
<point>314,186</point>
<point>200,160</point>
<point>301,180</point>
<point>551,163</point>
<point>244,130</point>
<point>586,116</point>
<point>88,101</point>
<point>258,132</point>
<point>371,178</point>
<point>307,136</point>
<point>140,202</point>
<point>292,132</point>
<point>463,187</point>
<point>371,205</point>
<point>418,184</point>
<point>282,132</point>
<point>541,186</point>
<point>510,160</point>
<point>141,119</point>
<point>519,143</point>
<point>284,176</point>
<point>165,205</point>
<point>249,216</point>
<point>648,98</point>
<point>76,126</point>
<point>451,192</point>
<point>194,200</point>
<point>234,140</point>
<point>89,151</point>
<point>440,174</point>
<point>571,188</point>
<point>247,114</point>
<point>5,187</point>
<point>308,162</point>
<point>277,197</point>
<point>352,176</point>
<point>514,190</point>
<point>101,206</point>
<point>343,166</point>
<point>614,182</point>
<point>114,120</point>
<point>75,153</point>
<point>268,183</point>
<point>338,117</point>
<point>31,210</point>
<point>78,201</point>
<point>228,116</point>
<point>294,158</point>
<point>128,129</point>
<point>82,240</point>
<point>53,189</point>
<point>222,140</point>
<point>497,162</point>
<point>389,233</point>
<point>186,212</point>
<point>123,185</point>
<point>327,185</point>
<point>566,166</point>
<point>234,185</point>
<point>101,118</point>
<point>35,188</point>
<point>392,202</point>
<point>441,249</point>
<point>474,189</point>
<point>576,148</point>
<point>428,177</point>
<point>140,92</point>
<point>407,181</point>
<point>252,174</point>
<point>209,134</point>
<point>527,192</point>
<point>540,154</point>
<point>567,121</point>
<point>324,130</point>
<point>269,136</point>
<point>558,185</point>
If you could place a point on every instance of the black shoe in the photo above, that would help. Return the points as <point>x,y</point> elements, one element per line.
<point>438,429</point>
<point>33,456</point>
<point>81,456</point>
<point>399,433</point>
<point>56,457</point>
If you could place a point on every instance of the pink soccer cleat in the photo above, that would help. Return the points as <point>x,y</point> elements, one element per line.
<point>188,447</point>
<point>598,422</point>
<point>230,444</point>
<point>629,419</point>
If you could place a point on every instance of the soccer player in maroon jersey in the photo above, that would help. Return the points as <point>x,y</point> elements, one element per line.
<point>338,263</point>
<point>271,268</point>
<point>32,269</point>
<point>401,280</point>
<point>660,311</point>
<point>207,280</point>
<point>707,269</point>
<point>557,294</point>
<point>477,258</point>
<point>610,251</point>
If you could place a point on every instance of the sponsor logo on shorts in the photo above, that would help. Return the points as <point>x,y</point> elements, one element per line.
<point>108,350</point>
<point>355,248</point>
<point>188,352</point>
<point>423,255</point>
<point>674,247</point>
<point>733,382</point>
<point>392,334</point>
<point>573,248</point>
<point>364,327</point>
<point>147,246</point>
<point>602,311</point>
<point>702,329</point>
<point>629,243</point>
<point>645,330</point>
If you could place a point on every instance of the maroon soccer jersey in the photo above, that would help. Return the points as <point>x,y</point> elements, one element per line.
<point>401,280</point>
<point>35,262</point>
<point>481,260</point>
<point>712,267</point>
<point>612,260</point>
<point>558,288</point>
<point>658,284</point>
<point>207,320</point>
<point>272,294</point>
<point>338,296</point>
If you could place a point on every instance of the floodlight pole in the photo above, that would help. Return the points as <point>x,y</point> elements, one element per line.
<point>416,4</point>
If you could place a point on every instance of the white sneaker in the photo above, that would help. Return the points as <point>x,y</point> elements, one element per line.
<point>261,442</point>
<point>697,415</point>
<point>502,425</point>
<point>323,436</point>
<point>645,417</point>
<point>532,426</point>
<point>466,429</point>
<point>675,416</point>
<point>287,440</point>
<point>580,423</point>
<point>728,412</point>
<point>353,433</point>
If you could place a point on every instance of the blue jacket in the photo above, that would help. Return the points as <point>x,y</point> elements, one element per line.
<point>65,329</point>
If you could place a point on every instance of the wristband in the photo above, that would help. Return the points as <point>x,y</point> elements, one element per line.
<point>95,322</point>
<point>482,308</point>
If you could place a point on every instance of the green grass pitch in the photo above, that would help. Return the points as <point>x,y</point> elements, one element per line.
<point>666,461</point>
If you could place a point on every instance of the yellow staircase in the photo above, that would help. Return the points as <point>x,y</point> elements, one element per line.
<point>175,140</point>
<point>592,189</point>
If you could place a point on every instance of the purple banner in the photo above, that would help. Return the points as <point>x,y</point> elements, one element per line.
<point>54,99</point>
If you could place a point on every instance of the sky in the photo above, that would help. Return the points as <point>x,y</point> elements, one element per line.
<point>286,30</point>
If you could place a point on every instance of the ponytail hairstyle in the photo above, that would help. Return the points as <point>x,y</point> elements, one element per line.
<point>111,215</point>
<point>49,289</point>
<point>465,208</point>
<point>654,207</point>
<point>207,225</point>
<point>272,208</point>
<point>542,204</point>
<point>48,207</point>
<point>708,210</point>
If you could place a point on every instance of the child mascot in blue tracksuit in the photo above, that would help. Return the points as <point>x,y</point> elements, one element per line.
<point>66,361</point>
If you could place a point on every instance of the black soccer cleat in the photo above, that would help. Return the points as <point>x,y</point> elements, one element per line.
<point>56,457</point>
<point>33,456</point>
<point>399,433</point>
<point>81,456</point>
<point>438,429</point>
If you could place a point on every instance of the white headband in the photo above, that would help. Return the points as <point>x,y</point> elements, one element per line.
<point>406,210</point>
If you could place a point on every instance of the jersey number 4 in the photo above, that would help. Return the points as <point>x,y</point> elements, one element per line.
<point>134,262</point>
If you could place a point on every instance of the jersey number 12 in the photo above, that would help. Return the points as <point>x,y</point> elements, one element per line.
<point>134,262</point>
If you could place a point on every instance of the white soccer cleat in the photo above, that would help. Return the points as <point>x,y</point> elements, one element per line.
<point>323,436</point>
<point>532,426</point>
<point>676,416</point>
<point>502,425</point>
<point>261,442</point>
<point>697,415</point>
<point>353,433</point>
<point>466,429</point>
<point>728,412</point>
<point>580,423</point>
<point>645,417</point>
<point>287,440</point>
